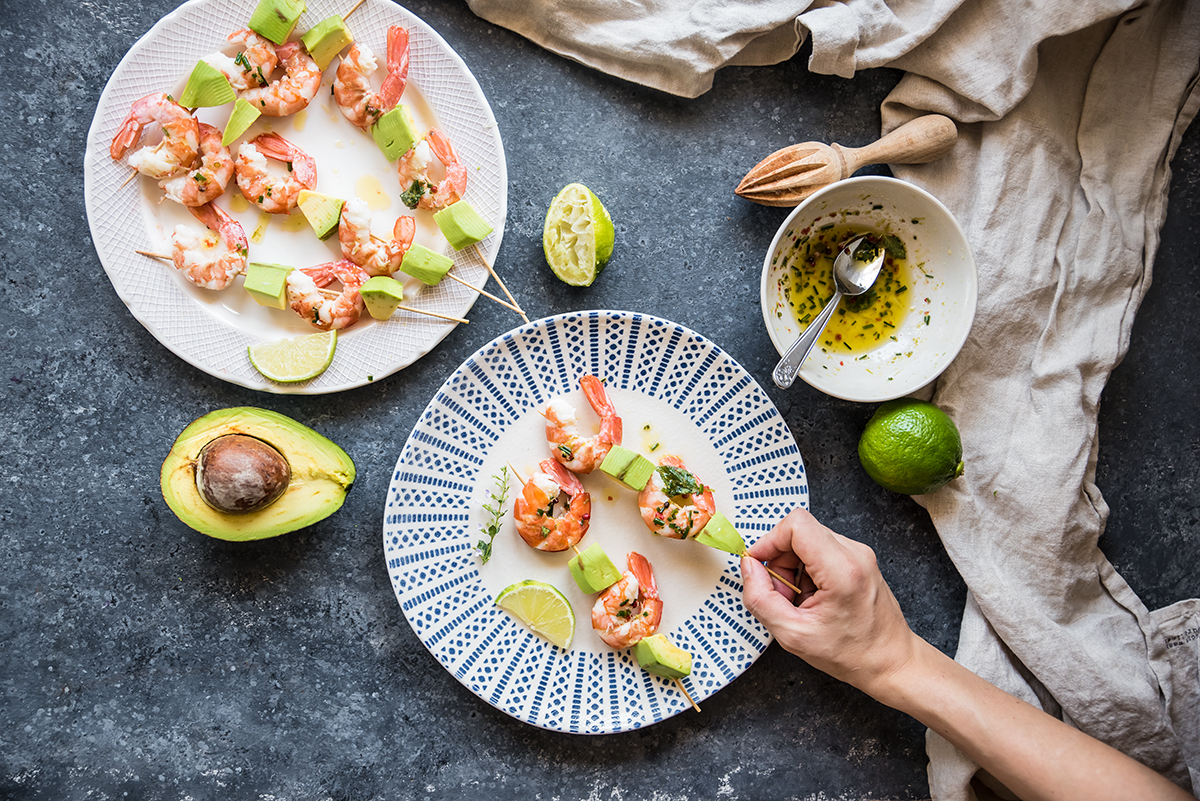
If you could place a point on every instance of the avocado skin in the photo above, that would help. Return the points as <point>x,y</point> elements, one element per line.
<point>322,473</point>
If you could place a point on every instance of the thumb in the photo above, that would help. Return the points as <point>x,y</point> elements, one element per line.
<point>760,596</point>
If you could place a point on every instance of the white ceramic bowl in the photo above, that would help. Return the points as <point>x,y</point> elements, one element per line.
<point>941,294</point>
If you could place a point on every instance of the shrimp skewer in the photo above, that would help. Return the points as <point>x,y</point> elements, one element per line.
<point>630,610</point>
<point>252,66</point>
<point>674,502</point>
<point>352,83</point>
<point>277,195</point>
<point>572,450</point>
<point>293,92</point>
<point>533,510</point>
<point>207,182</point>
<point>419,189</point>
<point>376,257</point>
<point>207,263</point>
<point>305,296</point>
<point>180,137</point>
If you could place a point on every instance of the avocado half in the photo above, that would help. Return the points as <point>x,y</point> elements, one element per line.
<point>321,474</point>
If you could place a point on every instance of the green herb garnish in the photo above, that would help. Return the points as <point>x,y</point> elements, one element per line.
<point>677,481</point>
<point>496,512</point>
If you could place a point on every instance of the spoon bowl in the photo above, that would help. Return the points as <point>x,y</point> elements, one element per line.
<point>853,274</point>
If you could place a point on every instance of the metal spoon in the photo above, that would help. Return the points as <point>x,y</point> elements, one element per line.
<point>851,277</point>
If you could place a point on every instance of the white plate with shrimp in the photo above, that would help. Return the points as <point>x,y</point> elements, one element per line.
<point>676,393</point>
<point>212,329</point>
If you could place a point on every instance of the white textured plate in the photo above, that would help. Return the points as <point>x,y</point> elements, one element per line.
<point>212,330</point>
<point>672,388</point>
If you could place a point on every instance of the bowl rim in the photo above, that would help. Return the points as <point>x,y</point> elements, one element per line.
<point>972,281</point>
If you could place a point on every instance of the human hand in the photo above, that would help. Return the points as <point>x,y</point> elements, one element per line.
<point>847,623</point>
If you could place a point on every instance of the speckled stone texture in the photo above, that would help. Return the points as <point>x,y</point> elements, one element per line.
<point>143,660</point>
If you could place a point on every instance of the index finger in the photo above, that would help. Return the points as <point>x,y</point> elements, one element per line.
<point>799,535</point>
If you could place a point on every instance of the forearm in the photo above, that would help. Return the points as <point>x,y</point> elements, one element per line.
<point>1033,754</point>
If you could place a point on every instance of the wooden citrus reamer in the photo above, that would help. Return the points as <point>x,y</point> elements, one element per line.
<point>788,176</point>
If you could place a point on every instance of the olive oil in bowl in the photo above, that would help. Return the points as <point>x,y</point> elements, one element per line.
<point>862,323</point>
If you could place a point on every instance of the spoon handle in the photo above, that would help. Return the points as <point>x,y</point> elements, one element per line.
<point>918,141</point>
<point>785,372</point>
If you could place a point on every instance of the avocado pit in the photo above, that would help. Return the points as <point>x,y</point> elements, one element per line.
<point>237,474</point>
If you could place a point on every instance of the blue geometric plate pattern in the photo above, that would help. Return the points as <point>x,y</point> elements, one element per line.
<point>672,387</point>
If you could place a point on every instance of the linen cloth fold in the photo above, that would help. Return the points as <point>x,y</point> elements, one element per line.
<point>1069,112</point>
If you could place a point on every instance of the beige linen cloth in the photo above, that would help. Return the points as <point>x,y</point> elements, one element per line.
<point>1069,112</point>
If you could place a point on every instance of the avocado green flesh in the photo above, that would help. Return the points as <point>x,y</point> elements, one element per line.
<point>461,224</point>
<point>628,468</point>
<point>593,571</point>
<point>382,295</point>
<point>326,39</point>
<point>242,117</point>
<point>719,533</point>
<point>395,132</point>
<point>658,655</point>
<point>425,265</point>
<point>206,87</point>
<point>275,19</point>
<point>323,212</point>
<point>321,475</point>
<point>267,284</point>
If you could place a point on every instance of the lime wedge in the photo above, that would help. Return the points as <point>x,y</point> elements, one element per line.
<point>542,608</point>
<point>578,235</point>
<point>287,361</point>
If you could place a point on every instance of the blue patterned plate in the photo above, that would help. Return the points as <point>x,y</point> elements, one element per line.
<point>677,393</point>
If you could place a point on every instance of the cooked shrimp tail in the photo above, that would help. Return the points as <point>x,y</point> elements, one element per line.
<point>674,502</point>
<point>375,256</point>
<point>397,66</point>
<point>180,137</point>
<point>631,609</point>
<point>571,449</point>
<point>206,182</point>
<point>281,97</point>
<point>533,510</point>
<point>207,262</point>
<point>274,194</point>
<point>419,188</point>
<point>328,314</point>
<point>352,81</point>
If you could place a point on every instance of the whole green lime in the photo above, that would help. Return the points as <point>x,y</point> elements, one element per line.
<point>911,446</point>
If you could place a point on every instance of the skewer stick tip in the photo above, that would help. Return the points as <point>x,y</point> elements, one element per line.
<point>686,695</point>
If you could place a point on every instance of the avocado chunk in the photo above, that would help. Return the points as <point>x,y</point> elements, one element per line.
<point>267,284</point>
<point>461,224</point>
<point>395,132</point>
<point>319,475</point>
<point>426,266</point>
<point>592,570</point>
<point>628,468</point>
<point>326,39</point>
<point>276,19</point>
<point>719,533</point>
<point>383,295</point>
<point>323,212</point>
<point>242,117</point>
<point>658,655</point>
<point>206,87</point>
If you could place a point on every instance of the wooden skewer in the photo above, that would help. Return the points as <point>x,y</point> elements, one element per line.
<point>486,294</point>
<point>687,695</point>
<point>479,255</point>
<point>469,285</point>
<point>346,16</point>
<point>153,255</point>
<point>333,293</point>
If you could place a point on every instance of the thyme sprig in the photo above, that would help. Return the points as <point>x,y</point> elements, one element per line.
<point>495,512</point>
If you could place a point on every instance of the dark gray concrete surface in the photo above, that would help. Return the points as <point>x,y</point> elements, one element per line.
<point>143,660</point>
